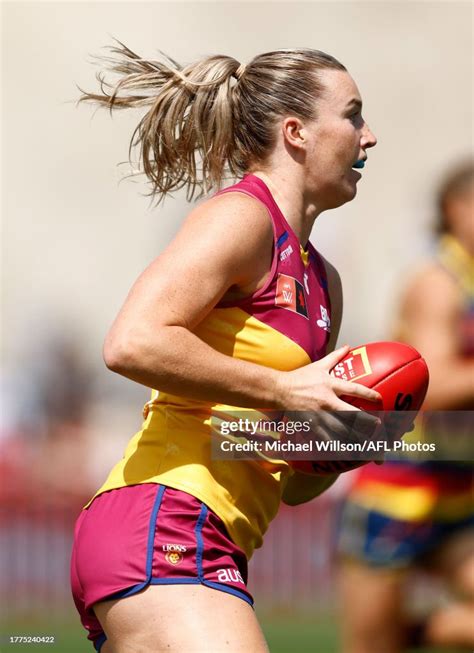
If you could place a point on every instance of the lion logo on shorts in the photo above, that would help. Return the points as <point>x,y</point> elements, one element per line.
<point>174,557</point>
<point>174,553</point>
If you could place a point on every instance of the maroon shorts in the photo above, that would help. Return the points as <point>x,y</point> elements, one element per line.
<point>150,534</point>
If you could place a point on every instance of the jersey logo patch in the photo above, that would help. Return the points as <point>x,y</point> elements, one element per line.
<point>325,321</point>
<point>290,295</point>
<point>288,251</point>
<point>305,279</point>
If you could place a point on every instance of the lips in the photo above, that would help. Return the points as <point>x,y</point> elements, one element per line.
<point>360,163</point>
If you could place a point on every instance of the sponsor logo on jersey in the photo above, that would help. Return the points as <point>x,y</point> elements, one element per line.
<point>354,367</point>
<point>286,252</point>
<point>229,576</point>
<point>305,280</point>
<point>174,553</point>
<point>325,321</point>
<point>290,295</point>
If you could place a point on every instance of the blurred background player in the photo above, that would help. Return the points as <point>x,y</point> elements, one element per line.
<point>402,516</point>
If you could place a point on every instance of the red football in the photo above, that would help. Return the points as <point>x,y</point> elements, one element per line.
<point>397,371</point>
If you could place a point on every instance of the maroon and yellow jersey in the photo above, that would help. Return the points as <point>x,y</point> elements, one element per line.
<point>284,325</point>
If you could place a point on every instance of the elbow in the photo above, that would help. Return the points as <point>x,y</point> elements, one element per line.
<point>302,488</point>
<point>119,353</point>
<point>297,498</point>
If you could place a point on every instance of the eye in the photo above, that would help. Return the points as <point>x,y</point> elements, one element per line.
<point>355,117</point>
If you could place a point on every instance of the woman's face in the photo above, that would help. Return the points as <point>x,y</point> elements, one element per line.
<point>335,141</point>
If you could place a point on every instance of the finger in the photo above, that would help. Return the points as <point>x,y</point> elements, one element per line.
<point>361,425</point>
<point>355,390</point>
<point>396,425</point>
<point>332,359</point>
<point>333,423</point>
<point>341,406</point>
<point>330,428</point>
<point>356,418</point>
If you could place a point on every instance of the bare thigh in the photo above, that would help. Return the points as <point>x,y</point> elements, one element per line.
<point>453,624</point>
<point>454,561</point>
<point>180,619</point>
<point>371,607</point>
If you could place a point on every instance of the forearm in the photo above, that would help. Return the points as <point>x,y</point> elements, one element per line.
<point>176,361</point>
<point>301,488</point>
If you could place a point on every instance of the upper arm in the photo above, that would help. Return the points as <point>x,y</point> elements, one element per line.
<point>224,242</point>
<point>335,294</point>
<point>429,313</point>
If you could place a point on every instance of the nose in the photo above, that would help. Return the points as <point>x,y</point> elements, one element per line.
<point>368,138</point>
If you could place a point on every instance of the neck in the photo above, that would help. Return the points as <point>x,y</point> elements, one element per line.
<point>288,192</point>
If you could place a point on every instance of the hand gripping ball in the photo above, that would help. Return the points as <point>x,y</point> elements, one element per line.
<point>397,371</point>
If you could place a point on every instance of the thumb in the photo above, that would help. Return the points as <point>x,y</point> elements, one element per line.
<point>329,361</point>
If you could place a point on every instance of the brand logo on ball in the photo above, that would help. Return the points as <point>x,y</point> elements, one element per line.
<point>290,295</point>
<point>403,401</point>
<point>174,553</point>
<point>354,366</point>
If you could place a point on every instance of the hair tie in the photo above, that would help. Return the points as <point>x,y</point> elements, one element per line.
<point>240,71</point>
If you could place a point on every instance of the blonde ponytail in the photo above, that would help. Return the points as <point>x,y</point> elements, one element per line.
<point>209,117</point>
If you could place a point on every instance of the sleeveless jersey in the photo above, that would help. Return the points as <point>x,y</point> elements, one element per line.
<point>442,491</point>
<point>283,325</point>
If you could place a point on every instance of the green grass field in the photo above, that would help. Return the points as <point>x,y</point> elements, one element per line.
<point>283,636</point>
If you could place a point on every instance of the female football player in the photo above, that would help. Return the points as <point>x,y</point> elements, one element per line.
<point>241,311</point>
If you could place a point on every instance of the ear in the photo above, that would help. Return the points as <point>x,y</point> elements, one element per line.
<point>294,132</point>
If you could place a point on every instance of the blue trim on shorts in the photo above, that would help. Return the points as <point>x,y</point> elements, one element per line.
<point>149,555</point>
<point>152,529</point>
<point>199,541</point>
<point>283,238</point>
<point>207,583</point>
<point>185,580</point>
<point>99,642</point>
<point>230,590</point>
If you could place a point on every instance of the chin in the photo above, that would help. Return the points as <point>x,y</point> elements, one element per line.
<point>342,198</point>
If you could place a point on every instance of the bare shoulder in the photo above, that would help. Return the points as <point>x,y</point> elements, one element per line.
<point>239,215</point>
<point>230,235</point>
<point>431,287</point>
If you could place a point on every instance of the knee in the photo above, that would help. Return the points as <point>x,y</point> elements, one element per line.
<point>451,626</point>
<point>463,579</point>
